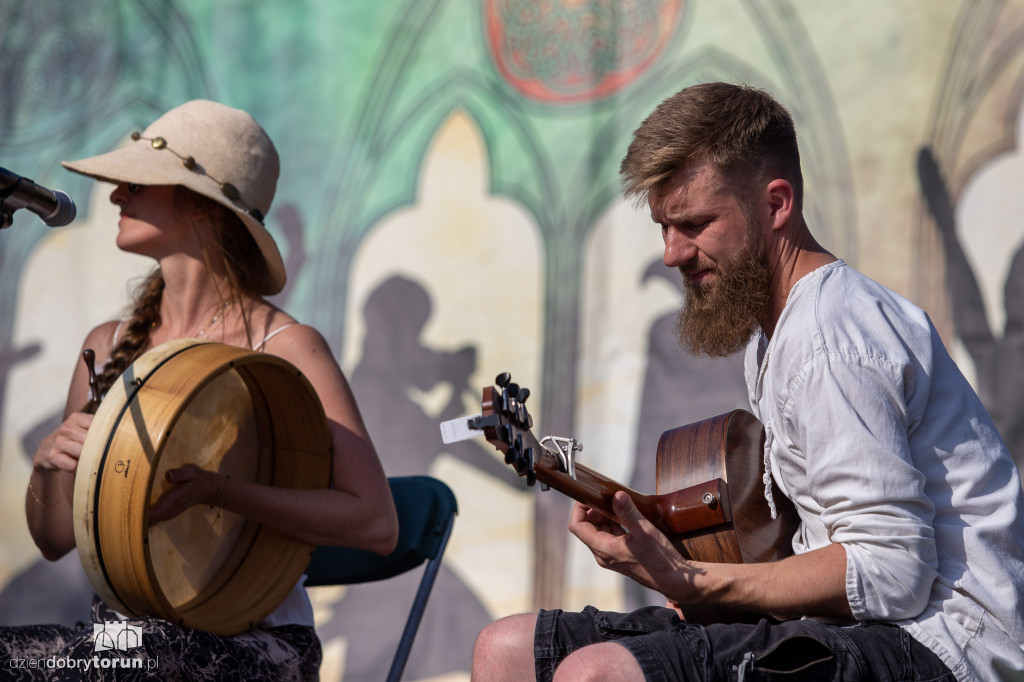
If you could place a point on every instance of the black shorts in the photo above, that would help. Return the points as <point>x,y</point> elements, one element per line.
<point>670,650</point>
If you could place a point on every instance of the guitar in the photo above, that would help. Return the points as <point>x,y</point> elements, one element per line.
<point>710,491</point>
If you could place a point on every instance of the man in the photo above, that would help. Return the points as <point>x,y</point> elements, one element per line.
<point>909,559</point>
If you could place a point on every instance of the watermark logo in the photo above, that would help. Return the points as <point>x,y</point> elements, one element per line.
<point>115,636</point>
<point>118,635</point>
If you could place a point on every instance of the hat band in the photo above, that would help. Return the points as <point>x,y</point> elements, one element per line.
<point>226,188</point>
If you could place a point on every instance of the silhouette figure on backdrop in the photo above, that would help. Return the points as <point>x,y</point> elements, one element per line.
<point>394,363</point>
<point>9,357</point>
<point>679,388</point>
<point>998,360</point>
<point>45,592</point>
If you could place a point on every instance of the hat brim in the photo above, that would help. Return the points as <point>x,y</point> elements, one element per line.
<point>141,164</point>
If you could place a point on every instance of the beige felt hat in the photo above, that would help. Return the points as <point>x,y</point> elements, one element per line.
<point>213,150</point>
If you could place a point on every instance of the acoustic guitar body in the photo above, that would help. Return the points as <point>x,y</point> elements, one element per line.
<point>729,447</point>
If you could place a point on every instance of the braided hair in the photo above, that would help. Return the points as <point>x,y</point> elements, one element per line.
<point>234,248</point>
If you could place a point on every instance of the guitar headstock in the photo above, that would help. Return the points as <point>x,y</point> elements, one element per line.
<point>506,424</point>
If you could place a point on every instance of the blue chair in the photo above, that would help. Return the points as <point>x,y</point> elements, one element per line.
<point>426,513</point>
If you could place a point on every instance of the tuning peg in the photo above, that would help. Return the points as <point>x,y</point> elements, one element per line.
<point>505,434</point>
<point>524,393</point>
<point>503,379</point>
<point>522,416</point>
<point>513,390</point>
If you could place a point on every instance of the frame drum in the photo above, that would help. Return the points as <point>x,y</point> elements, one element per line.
<point>248,415</point>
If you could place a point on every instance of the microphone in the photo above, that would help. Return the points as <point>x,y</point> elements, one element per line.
<point>54,206</point>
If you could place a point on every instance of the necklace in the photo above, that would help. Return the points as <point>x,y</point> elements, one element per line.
<point>213,320</point>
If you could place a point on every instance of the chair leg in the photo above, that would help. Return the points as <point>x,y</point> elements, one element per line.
<point>419,605</point>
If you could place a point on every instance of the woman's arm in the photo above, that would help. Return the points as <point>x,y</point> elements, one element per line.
<point>356,512</point>
<point>51,486</point>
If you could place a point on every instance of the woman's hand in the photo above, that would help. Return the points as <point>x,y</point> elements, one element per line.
<point>61,449</point>
<point>190,486</point>
<point>48,500</point>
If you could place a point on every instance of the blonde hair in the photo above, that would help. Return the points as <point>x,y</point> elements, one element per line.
<point>742,131</point>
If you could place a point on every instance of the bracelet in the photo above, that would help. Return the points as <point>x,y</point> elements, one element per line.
<point>223,492</point>
<point>32,492</point>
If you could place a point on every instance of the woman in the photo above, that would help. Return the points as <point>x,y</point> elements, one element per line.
<point>193,190</point>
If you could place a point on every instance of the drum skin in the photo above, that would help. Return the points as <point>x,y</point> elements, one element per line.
<point>248,415</point>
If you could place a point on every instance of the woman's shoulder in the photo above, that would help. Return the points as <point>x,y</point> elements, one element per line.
<point>103,337</point>
<point>291,335</point>
<point>279,331</point>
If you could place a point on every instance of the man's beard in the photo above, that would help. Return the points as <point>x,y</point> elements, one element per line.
<point>719,318</point>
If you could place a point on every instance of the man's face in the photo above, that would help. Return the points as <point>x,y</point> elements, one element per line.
<point>716,241</point>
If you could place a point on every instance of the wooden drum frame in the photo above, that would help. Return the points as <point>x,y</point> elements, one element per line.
<point>248,415</point>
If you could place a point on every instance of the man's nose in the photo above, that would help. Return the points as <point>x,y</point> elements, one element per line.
<point>679,248</point>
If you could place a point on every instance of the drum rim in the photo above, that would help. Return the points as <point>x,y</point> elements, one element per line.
<point>148,595</point>
<point>101,462</point>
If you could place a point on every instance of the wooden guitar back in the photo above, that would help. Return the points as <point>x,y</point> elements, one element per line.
<point>729,447</point>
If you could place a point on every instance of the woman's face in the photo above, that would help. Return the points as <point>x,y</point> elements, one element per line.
<point>150,224</point>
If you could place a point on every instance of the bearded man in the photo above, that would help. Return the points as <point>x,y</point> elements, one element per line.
<point>908,561</point>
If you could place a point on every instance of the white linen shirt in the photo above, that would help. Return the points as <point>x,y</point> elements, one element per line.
<point>882,445</point>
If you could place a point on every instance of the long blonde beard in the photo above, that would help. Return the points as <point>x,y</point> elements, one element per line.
<point>719,319</point>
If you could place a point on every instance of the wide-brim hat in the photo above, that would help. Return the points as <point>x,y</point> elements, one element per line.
<point>212,149</point>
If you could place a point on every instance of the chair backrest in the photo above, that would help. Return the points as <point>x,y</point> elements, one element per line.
<point>426,513</point>
<point>425,509</point>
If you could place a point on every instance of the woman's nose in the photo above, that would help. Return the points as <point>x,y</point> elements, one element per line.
<point>120,194</point>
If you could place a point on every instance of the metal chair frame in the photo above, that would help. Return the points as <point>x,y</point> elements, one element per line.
<point>426,514</point>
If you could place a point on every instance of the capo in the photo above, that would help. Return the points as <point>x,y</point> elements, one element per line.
<point>565,449</point>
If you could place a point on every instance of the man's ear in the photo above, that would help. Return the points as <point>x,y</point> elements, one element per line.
<point>779,194</point>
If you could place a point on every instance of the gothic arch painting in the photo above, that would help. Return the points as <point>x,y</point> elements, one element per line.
<point>449,208</point>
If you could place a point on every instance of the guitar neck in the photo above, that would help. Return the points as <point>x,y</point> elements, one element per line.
<point>506,425</point>
<point>683,511</point>
<point>714,469</point>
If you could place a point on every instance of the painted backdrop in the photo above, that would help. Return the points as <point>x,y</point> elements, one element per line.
<point>449,209</point>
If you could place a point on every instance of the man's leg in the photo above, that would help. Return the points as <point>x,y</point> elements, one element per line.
<point>608,662</point>
<point>504,650</point>
<point>532,646</point>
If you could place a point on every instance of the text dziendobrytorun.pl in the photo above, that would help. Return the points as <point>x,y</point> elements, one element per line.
<point>86,664</point>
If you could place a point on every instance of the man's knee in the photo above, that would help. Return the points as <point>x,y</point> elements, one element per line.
<point>504,649</point>
<point>607,661</point>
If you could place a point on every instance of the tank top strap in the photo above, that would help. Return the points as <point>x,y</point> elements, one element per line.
<point>260,346</point>
<point>117,334</point>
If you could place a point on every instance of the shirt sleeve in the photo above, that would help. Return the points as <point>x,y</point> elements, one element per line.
<point>849,416</point>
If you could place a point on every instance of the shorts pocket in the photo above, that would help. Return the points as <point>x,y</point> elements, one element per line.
<point>643,621</point>
<point>798,657</point>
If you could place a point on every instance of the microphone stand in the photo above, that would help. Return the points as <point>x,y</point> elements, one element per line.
<point>7,213</point>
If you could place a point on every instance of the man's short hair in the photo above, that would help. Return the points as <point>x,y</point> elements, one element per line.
<point>742,131</point>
